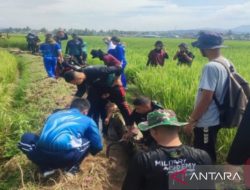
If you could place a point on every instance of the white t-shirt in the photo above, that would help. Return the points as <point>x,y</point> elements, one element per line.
<point>214,78</point>
<point>110,46</point>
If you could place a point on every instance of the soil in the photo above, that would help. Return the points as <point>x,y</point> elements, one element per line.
<point>97,172</point>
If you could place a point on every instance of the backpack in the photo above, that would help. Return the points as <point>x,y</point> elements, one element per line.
<point>236,98</point>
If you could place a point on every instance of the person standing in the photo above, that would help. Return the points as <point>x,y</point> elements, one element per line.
<point>119,53</point>
<point>204,121</point>
<point>74,48</point>
<point>60,35</point>
<point>184,56</point>
<point>108,42</point>
<point>158,55</point>
<point>51,52</point>
<point>239,152</point>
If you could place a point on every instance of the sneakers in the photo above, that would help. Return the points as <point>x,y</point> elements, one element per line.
<point>48,173</point>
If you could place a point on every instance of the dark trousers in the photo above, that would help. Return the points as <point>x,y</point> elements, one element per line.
<point>205,139</point>
<point>117,96</point>
<point>97,106</point>
<point>240,148</point>
<point>47,159</point>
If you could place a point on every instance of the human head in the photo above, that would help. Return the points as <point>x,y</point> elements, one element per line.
<point>183,47</point>
<point>209,43</point>
<point>97,53</point>
<point>142,105</point>
<point>115,40</point>
<point>161,124</point>
<point>158,45</point>
<point>49,38</point>
<point>60,33</point>
<point>82,105</point>
<point>74,36</point>
<point>74,77</point>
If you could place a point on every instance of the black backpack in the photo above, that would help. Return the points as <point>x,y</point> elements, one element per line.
<point>236,98</point>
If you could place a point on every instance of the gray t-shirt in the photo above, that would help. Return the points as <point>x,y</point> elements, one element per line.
<point>214,78</point>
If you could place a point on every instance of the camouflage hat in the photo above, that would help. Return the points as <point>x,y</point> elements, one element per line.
<point>160,118</point>
<point>184,45</point>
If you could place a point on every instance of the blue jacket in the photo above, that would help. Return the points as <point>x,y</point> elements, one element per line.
<point>119,53</point>
<point>64,130</point>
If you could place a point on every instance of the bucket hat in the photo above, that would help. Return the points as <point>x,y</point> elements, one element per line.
<point>160,118</point>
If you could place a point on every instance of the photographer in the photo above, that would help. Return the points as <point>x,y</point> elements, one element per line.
<point>184,56</point>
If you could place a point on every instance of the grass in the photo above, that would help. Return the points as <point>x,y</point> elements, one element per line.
<point>26,100</point>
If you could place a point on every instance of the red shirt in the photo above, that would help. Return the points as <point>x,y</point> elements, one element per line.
<point>157,57</point>
<point>110,60</point>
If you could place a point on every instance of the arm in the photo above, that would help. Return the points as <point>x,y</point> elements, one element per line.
<point>118,97</point>
<point>60,57</point>
<point>65,37</point>
<point>166,55</point>
<point>149,59</point>
<point>201,108</point>
<point>93,135</point>
<point>102,71</point>
<point>81,89</point>
<point>187,57</point>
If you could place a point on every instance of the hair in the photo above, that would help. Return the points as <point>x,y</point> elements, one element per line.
<point>142,100</point>
<point>115,39</point>
<point>80,104</point>
<point>49,39</point>
<point>158,43</point>
<point>97,53</point>
<point>69,76</point>
<point>168,129</point>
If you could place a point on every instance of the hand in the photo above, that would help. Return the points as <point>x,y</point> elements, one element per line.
<point>132,131</point>
<point>106,122</point>
<point>189,128</point>
<point>105,96</point>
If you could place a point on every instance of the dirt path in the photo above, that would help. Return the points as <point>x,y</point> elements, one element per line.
<point>43,95</point>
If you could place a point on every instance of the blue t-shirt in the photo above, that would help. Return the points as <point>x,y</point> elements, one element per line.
<point>64,130</point>
<point>50,51</point>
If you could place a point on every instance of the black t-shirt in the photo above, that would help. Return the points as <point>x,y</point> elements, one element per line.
<point>150,170</point>
<point>97,76</point>
<point>183,59</point>
<point>138,118</point>
<point>239,152</point>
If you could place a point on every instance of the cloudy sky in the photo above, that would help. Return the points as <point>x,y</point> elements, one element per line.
<point>125,14</point>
